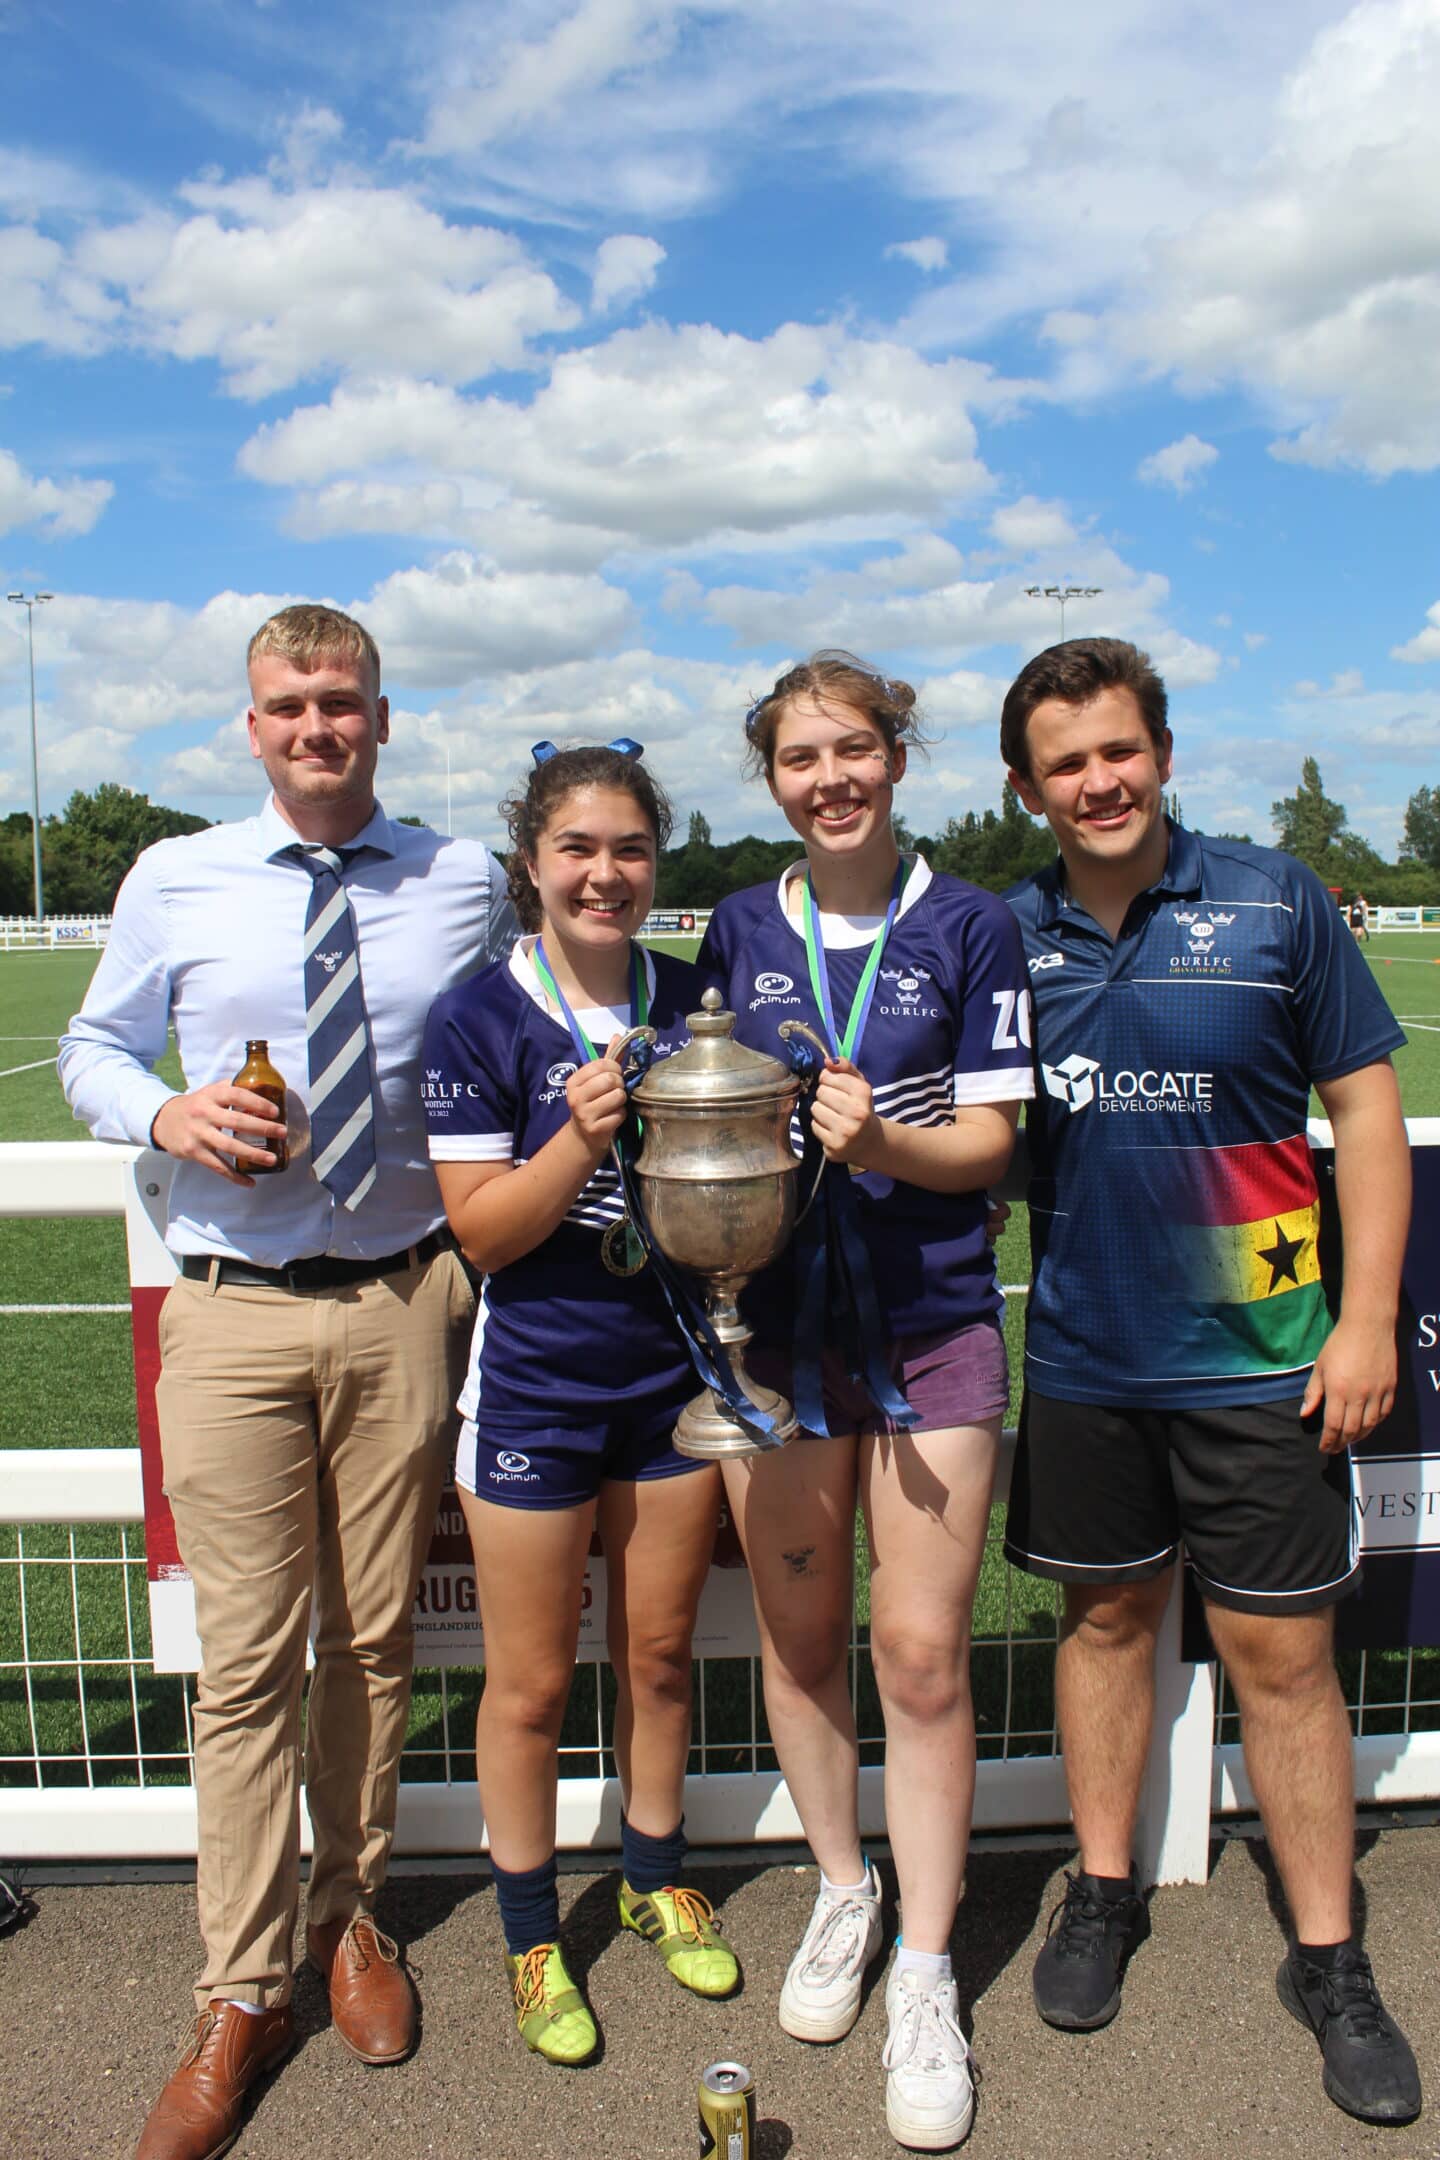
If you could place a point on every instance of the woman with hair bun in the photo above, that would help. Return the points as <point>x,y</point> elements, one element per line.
<point>917,982</point>
<point>578,1373</point>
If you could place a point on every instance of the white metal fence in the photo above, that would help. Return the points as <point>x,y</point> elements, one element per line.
<point>95,1746</point>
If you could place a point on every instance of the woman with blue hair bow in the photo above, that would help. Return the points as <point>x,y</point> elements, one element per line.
<point>578,1372</point>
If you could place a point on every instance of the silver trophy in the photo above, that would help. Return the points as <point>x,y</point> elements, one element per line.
<point>716,1177</point>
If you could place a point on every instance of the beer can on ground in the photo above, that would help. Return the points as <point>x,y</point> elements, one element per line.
<point>727,2112</point>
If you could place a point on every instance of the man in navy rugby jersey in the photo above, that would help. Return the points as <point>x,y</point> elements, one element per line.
<point>1183,1376</point>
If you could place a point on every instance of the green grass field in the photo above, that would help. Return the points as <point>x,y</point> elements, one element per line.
<point>66,1380</point>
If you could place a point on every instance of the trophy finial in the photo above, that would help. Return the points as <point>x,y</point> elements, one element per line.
<point>711,1001</point>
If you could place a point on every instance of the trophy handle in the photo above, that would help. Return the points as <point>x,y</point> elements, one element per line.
<point>789,1028</point>
<point>623,1043</point>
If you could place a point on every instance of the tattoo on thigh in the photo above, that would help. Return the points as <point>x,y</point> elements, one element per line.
<point>800,1560</point>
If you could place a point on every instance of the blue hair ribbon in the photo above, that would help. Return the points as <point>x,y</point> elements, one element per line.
<point>542,752</point>
<point>627,746</point>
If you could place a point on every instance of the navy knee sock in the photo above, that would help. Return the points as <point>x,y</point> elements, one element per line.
<point>652,1863</point>
<point>529,1905</point>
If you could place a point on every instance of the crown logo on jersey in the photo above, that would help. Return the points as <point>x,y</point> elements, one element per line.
<point>432,1072</point>
<point>1200,928</point>
<point>907,982</point>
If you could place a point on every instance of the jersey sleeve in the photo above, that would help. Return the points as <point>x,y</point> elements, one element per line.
<point>715,957</point>
<point>994,1061</point>
<point>468,1088</point>
<point>1341,1016</point>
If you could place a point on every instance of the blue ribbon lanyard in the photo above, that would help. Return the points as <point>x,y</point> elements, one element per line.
<point>585,1050</point>
<point>832,1261</point>
<point>848,1044</point>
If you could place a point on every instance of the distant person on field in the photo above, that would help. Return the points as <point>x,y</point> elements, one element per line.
<point>1183,1378</point>
<point>1360,918</point>
<point>314,1341</point>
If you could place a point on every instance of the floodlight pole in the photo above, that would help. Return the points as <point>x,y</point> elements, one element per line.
<point>30,601</point>
<point>1062,593</point>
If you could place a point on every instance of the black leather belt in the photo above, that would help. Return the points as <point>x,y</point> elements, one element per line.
<point>323,1271</point>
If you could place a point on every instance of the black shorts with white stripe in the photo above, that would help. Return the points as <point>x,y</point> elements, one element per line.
<point>1105,1495</point>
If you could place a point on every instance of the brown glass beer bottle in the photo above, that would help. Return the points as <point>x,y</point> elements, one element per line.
<point>259,1075</point>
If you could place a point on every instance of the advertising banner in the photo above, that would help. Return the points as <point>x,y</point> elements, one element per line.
<point>447,1615</point>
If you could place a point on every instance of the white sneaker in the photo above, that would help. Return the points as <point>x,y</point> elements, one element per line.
<point>929,2090</point>
<point>821,1996</point>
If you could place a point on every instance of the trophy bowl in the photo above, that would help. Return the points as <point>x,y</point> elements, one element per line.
<point>716,1175</point>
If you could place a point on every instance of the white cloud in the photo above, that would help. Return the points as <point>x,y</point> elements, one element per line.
<point>1316,283</point>
<point>1425,645</point>
<point>1029,526</point>
<point>1254,639</point>
<point>929,254</point>
<point>57,508</point>
<point>1178,465</point>
<point>626,265</point>
<point>280,284</point>
<point>664,437</point>
<point>918,604</point>
<point>463,618</point>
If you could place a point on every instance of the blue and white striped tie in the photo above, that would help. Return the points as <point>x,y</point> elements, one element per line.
<point>337,1034</point>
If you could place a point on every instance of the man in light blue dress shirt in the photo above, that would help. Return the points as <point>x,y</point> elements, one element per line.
<point>314,1342</point>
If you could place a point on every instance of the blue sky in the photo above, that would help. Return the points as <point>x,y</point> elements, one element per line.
<point>604,355</point>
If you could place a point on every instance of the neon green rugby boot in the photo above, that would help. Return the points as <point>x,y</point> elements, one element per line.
<point>550,2011</point>
<point>681,1924</point>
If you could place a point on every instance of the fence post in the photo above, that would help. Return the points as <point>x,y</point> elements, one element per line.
<point>1172,1832</point>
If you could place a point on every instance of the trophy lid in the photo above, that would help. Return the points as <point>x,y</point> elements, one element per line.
<point>713,1071</point>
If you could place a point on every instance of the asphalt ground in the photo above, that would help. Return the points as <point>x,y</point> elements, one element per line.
<point>1202,2061</point>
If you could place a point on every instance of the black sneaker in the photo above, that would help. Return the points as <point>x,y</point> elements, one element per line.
<point>1369,2069</point>
<point>1082,1961</point>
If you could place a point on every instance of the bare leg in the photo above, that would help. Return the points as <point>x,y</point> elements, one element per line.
<point>795,1512</point>
<point>658,1534</point>
<point>927,1505</point>
<point>529,1568</point>
<point>1105,1705</point>
<point>1299,1755</point>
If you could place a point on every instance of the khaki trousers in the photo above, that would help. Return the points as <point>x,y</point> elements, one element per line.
<point>305,1436</point>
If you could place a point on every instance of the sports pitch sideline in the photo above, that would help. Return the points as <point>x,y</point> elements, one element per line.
<point>66,1380</point>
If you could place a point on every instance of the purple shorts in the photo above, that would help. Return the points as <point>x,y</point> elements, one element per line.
<point>954,1378</point>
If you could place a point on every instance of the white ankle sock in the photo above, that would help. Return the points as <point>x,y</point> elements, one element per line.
<point>250,2009</point>
<point>863,1888</point>
<point>933,1966</point>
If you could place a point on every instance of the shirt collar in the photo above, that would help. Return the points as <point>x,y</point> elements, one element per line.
<point>276,834</point>
<point>1183,872</point>
<point>918,876</point>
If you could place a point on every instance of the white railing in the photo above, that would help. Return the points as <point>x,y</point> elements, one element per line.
<point>122,1788</point>
<point>57,933</point>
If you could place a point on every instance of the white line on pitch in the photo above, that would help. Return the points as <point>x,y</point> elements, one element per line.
<point>11,1070</point>
<point>62,1308</point>
<point>27,1038</point>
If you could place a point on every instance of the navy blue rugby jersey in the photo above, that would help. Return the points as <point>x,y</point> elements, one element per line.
<point>1174,1212</point>
<point>555,1330</point>
<point>950,1025</point>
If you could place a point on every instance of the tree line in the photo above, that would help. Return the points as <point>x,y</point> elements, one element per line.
<point>87,850</point>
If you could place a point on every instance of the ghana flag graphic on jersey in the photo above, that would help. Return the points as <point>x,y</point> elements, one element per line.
<point>1245,1222</point>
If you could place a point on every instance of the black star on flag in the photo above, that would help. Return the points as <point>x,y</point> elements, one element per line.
<point>1281,1257</point>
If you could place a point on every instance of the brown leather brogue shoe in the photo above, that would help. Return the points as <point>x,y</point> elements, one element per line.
<point>372,2004</point>
<point>199,2114</point>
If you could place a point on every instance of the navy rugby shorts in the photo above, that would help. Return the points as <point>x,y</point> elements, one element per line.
<point>534,1463</point>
